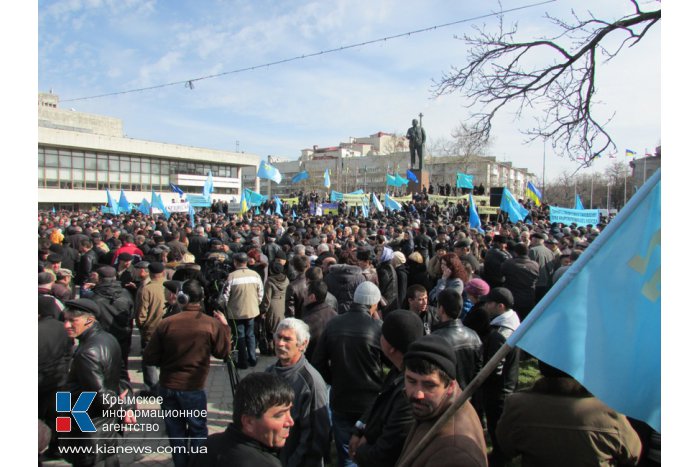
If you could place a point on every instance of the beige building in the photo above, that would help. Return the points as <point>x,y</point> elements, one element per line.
<point>81,155</point>
<point>363,163</point>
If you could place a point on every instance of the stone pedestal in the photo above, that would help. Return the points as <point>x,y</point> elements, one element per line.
<point>423,181</point>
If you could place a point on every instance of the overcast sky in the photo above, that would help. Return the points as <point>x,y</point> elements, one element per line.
<point>93,47</point>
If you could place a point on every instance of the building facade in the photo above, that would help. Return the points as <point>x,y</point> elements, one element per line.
<point>644,167</point>
<point>81,155</point>
<point>363,164</point>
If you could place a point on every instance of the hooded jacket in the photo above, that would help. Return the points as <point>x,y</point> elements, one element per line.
<point>342,280</point>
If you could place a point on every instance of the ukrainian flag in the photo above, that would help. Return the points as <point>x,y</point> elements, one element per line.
<point>533,193</point>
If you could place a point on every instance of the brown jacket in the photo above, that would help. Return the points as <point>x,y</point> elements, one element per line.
<point>558,423</point>
<point>182,345</point>
<point>149,307</point>
<point>459,443</point>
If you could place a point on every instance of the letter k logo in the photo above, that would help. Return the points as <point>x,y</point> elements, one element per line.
<point>78,411</point>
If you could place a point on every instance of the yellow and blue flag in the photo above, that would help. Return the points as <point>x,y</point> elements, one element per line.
<point>270,172</point>
<point>601,322</point>
<point>630,153</point>
<point>510,205</point>
<point>244,203</point>
<point>533,193</point>
<point>327,179</point>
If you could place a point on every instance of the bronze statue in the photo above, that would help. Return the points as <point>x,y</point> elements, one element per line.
<point>416,141</point>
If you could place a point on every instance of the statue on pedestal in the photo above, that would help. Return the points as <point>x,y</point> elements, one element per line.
<point>416,141</point>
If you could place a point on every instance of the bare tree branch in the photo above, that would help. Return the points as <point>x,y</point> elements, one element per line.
<point>499,73</point>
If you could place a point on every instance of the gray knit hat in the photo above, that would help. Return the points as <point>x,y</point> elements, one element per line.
<point>367,294</point>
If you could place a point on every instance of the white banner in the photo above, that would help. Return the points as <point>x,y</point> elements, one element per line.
<point>178,207</point>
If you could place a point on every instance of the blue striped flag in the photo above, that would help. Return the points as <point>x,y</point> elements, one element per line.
<point>601,322</point>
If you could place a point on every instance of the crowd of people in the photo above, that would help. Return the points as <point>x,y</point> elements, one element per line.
<point>376,324</point>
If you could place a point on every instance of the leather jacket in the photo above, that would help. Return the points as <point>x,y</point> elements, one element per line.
<point>467,346</point>
<point>295,297</point>
<point>117,308</point>
<point>349,358</point>
<point>95,367</point>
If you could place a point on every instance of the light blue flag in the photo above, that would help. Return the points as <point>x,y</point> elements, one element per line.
<point>294,214</point>
<point>578,204</point>
<point>327,179</point>
<point>145,207</point>
<point>303,175</point>
<point>336,196</point>
<point>411,176</point>
<point>191,213</point>
<point>391,204</point>
<point>278,206</point>
<point>390,180</point>
<point>376,203</point>
<point>53,209</point>
<point>123,203</point>
<point>112,206</point>
<point>365,210</point>
<point>464,180</point>
<point>601,322</point>
<point>254,198</point>
<point>357,192</point>
<point>267,213</point>
<point>270,172</point>
<point>257,211</point>
<point>157,202</point>
<point>208,187</point>
<point>511,206</point>
<point>400,181</point>
<point>474,220</point>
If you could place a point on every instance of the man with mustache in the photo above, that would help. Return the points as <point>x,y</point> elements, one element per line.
<point>431,387</point>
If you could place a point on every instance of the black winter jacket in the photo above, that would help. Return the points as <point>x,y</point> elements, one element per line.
<point>117,308</point>
<point>387,424</point>
<point>96,368</point>
<point>349,358</point>
<point>467,346</point>
<point>233,448</point>
<point>342,280</point>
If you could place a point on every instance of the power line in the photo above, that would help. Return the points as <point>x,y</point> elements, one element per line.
<point>189,83</point>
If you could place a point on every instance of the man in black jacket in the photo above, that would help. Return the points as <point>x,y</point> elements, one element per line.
<point>463,340</point>
<point>117,310</point>
<point>349,357</point>
<point>493,260</point>
<point>316,313</point>
<point>95,367</point>
<point>88,262</point>
<point>261,423</point>
<point>381,431</point>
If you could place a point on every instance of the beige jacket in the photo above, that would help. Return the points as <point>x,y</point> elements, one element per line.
<point>242,294</point>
